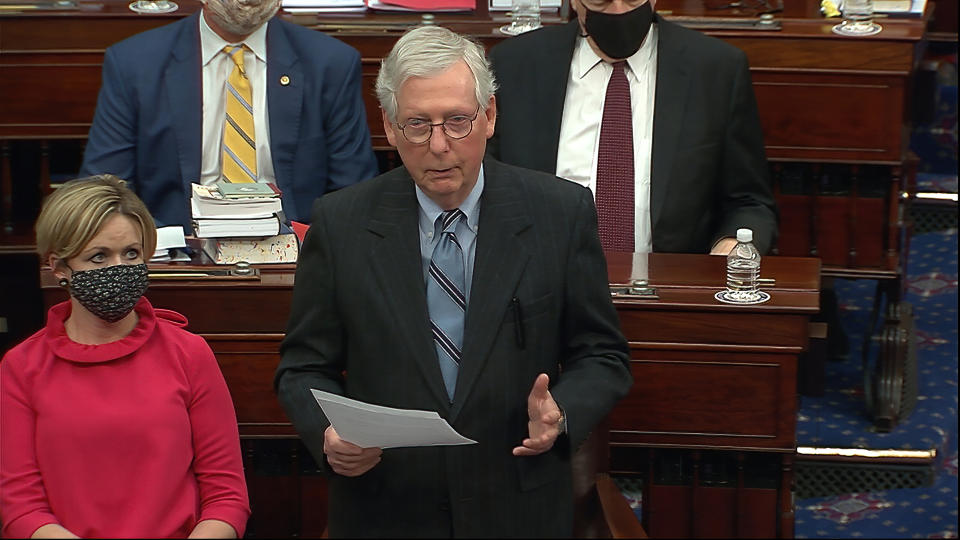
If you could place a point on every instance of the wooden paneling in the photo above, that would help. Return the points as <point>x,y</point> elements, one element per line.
<point>814,118</point>
<point>731,400</point>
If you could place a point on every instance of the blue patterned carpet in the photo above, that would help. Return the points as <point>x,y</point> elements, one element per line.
<point>838,419</point>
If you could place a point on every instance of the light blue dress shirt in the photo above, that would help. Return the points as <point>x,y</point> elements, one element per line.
<point>429,211</point>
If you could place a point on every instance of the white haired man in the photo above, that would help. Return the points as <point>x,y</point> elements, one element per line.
<point>461,285</point>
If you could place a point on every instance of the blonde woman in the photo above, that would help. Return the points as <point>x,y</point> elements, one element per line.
<point>114,420</point>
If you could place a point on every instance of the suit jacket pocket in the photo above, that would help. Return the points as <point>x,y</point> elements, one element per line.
<point>529,309</point>
<point>537,471</point>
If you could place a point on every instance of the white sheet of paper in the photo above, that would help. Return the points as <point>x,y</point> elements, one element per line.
<point>369,426</point>
<point>322,3</point>
<point>506,5</point>
<point>170,236</point>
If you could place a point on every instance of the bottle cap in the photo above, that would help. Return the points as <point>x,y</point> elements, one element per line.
<point>744,235</point>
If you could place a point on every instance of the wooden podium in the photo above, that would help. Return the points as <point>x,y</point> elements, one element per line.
<point>709,378</point>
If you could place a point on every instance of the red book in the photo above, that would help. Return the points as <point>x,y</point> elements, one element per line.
<point>299,229</point>
<point>430,5</point>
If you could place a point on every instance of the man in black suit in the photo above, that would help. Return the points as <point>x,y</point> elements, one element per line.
<point>699,169</point>
<point>541,359</point>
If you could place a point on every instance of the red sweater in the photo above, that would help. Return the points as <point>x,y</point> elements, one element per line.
<point>134,438</point>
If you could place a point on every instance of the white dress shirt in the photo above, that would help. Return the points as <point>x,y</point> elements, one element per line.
<point>216,67</point>
<point>583,112</point>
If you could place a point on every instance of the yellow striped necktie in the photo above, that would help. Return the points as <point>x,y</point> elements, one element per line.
<point>239,158</point>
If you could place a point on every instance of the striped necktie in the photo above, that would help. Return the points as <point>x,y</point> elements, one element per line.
<point>239,147</point>
<point>446,298</point>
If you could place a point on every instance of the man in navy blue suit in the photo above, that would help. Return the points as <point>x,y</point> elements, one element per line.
<point>160,115</point>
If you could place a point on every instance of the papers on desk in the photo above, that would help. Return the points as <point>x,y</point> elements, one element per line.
<point>422,5</point>
<point>374,426</point>
<point>170,245</point>
<point>228,227</point>
<point>207,203</point>
<point>506,5</point>
<point>896,8</point>
<point>318,6</point>
<point>218,216</point>
<point>343,6</point>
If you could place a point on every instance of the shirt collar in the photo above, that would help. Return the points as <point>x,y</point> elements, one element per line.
<point>585,59</point>
<point>211,44</point>
<point>429,210</point>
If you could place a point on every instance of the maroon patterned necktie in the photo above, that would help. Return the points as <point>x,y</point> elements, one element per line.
<point>615,166</point>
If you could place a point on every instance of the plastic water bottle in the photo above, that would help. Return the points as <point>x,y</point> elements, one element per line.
<point>857,19</point>
<point>743,268</point>
<point>524,16</point>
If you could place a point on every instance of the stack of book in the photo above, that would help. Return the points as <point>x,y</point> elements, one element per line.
<point>242,222</point>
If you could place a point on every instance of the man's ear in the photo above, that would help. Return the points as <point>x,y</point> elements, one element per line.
<point>388,128</point>
<point>491,114</point>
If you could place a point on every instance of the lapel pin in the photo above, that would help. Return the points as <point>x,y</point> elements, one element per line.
<point>284,80</point>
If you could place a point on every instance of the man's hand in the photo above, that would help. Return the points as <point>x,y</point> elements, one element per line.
<point>544,415</point>
<point>346,458</point>
<point>724,246</point>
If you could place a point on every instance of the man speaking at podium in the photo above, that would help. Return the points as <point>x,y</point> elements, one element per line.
<point>458,285</point>
<point>230,90</point>
<point>659,121</point>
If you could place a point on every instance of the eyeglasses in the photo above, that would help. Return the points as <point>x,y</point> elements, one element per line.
<point>419,131</point>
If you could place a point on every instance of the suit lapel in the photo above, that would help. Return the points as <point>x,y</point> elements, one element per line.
<point>673,83</point>
<point>500,259</point>
<point>552,91</point>
<point>283,103</point>
<point>395,263</point>
<point>183,80</point>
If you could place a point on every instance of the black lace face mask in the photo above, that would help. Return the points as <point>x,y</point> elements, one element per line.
<point>111,292</point>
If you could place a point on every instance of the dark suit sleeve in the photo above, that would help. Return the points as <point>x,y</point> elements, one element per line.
<point>351,155</point>
<point>595,371</point>
<point>312,351</point>
<point>747,198</point>
<point>111,143</point>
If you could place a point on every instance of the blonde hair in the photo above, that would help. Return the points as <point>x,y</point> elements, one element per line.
<point>76,211</point>
<point>427,51</point>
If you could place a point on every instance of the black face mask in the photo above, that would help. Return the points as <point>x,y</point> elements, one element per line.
<point>111,292</point>
<point>619,35</point>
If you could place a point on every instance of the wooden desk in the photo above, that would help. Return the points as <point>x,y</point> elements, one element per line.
<point>707,376</point>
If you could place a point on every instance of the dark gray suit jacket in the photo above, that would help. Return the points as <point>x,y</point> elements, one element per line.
<point>359,327</point>
<point>709,172</point>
